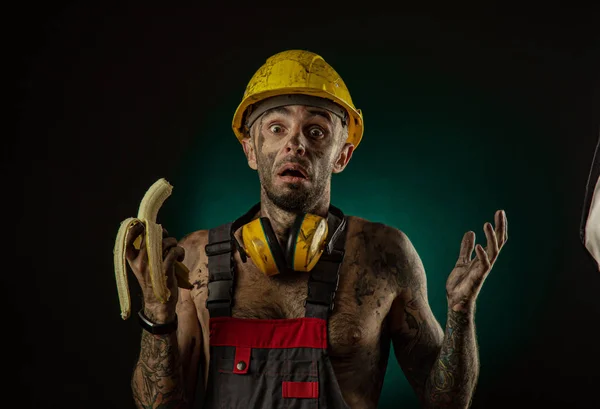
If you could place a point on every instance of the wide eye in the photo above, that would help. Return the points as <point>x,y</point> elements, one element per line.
<point>276,129</point>
<point>316,132</point>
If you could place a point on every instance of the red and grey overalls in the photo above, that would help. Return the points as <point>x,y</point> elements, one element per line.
<point>272,363</point>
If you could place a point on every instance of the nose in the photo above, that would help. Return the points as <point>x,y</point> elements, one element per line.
<point>296,144</point>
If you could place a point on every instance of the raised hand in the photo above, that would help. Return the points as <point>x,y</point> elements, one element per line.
<point>467,277</point>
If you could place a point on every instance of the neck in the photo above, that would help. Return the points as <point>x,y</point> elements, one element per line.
<point>282,220</point>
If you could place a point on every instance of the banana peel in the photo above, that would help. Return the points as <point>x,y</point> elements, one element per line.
<point>147,214</point>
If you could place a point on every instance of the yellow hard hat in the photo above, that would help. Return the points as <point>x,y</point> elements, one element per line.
<point>298,72</point>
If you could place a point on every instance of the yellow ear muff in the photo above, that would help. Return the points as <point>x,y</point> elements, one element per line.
<point>309,243</point>
<point>258,248</point>
<point>304,248</point>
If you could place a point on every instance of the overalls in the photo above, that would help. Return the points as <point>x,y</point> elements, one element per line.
<point>272,363</point>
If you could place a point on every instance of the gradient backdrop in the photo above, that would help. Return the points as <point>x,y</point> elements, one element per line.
<point>466,112</point>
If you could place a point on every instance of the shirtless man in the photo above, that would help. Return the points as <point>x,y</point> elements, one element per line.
<point>381,297</point>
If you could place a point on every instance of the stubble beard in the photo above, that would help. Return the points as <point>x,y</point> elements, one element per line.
<point>291,197</point>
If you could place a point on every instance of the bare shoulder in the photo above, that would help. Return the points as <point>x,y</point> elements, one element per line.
<point>380,232</point>
<point>386,247</point>
<point>193,238</point>
<point>389,249</point>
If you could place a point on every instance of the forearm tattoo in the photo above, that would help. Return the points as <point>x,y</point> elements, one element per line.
<point>417,349</point>
<point>454,373</point>
<point>157,379</point>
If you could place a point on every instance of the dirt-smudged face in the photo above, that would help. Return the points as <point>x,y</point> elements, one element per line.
<point>295,150</point>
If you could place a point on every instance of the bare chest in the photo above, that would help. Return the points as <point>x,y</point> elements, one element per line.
<point>358,338</point>
<point>355,325</point>
<point>359,341</point>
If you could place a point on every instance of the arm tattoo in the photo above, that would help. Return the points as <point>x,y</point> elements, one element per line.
<point>452,379</point>
<point>157,378</point>
<point>442,367</point>
<point>418,349</point>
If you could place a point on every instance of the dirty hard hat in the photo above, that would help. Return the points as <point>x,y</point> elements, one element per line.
<point>297,73</point>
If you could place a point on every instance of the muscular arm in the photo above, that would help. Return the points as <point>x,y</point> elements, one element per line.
<point>157,379</point>
<point>166,371</point>
<point>442,367</point>
<point>452,380</point>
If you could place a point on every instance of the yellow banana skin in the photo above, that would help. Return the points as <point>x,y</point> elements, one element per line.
<point>147,214</point>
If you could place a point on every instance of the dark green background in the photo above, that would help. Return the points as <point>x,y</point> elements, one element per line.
<point>466,111</point>
<point>439,156</point>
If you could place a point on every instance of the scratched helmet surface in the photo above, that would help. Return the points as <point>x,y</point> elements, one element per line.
<point>298,72</point>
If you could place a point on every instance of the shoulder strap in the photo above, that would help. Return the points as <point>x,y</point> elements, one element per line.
<point>221,264</point>
<point>220,271</point>
<point>324,277</point>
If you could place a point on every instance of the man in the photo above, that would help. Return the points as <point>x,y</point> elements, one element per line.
<point>589,230</point>
<point>261,328</point>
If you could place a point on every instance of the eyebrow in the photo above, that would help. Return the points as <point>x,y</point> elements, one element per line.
<point>313,111</point>
<point>321,112</point>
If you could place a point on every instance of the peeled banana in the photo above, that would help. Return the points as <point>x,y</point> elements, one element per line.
<point>147,214</point>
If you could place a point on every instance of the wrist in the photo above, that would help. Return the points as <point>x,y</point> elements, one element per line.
<point>460,316</point>
<point>463,307</point>
<point>155,328</point>
<point>159,314</point>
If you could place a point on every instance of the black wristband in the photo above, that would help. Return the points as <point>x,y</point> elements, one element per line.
<point>156,329</point>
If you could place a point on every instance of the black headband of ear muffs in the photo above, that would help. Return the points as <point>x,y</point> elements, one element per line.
<point>292,239</point>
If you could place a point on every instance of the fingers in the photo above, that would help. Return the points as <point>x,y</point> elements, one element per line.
<point>505,227</point>
<point>466,248</point>
<point>501,227</point>
<point>134,232</point>
<point>138,259</point>
<point>479,274</point>
<point>167,244</point>
<point>492,242</point>
<point>174,253</point>
<point>495,239</point>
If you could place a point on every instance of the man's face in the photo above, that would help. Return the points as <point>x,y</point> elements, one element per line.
<point>295,149</point>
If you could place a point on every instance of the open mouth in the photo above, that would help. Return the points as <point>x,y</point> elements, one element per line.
<point>292,171</point>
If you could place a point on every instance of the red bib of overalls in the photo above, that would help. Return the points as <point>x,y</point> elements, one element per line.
<point>275,363</point>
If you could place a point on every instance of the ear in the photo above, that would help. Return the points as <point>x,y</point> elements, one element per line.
<point>343,158</point>
<point>248,145</point>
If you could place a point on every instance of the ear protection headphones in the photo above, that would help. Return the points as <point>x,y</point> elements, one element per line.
<point>306,243</point>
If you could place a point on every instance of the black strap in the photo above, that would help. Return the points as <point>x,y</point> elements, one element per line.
<point>290,248</point>
<point>221,264</point>
<point>156,329</point>
<point>336,223</point>
<point>220,271</point>
<point>324,277</point>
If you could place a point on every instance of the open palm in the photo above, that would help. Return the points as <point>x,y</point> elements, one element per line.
<point>467,277</point>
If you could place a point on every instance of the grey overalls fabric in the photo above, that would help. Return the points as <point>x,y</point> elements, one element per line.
<point>275,363</point>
